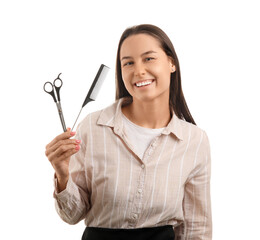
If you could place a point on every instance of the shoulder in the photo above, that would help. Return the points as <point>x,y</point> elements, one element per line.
<point>100,116</point>
<point>194,134</point>
<point>196,145</point>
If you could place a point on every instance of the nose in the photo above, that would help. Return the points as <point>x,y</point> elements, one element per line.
<point>139,69</point>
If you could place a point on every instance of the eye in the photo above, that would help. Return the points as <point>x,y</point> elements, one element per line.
<point>148,59</point>
<point>128,63</point>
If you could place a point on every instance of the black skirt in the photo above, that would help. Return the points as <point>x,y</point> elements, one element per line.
<point>155,233</point>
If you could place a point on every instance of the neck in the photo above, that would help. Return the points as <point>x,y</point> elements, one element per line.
<point>150,114</point>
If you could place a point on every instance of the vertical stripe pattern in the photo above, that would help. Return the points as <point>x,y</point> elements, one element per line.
<point>169,185</point>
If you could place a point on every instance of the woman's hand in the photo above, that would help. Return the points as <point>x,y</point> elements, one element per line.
<point>59,151</point>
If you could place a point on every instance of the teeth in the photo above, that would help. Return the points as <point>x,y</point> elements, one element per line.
<point>143,83</point>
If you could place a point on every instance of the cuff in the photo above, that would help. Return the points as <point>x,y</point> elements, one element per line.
<point>68,191</point>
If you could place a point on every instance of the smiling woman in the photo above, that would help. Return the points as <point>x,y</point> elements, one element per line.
<point>161,41</point>
<point>140,168</point>
<point>146,75</point>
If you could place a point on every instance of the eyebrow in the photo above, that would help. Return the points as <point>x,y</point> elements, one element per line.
<point>145,53</point>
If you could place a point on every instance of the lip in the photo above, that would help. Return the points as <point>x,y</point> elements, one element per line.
<point>144,81</point>
<point>145,86</point>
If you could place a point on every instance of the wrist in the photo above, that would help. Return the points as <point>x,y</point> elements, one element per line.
<point>61,177</point>
<point>61,182</point>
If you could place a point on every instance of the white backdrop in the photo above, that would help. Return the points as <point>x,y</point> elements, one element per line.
<point>217,43</point>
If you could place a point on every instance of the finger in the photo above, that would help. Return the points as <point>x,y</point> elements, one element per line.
<point>62,135</point>
<point>55,139</point>
<point>61,150</point>
<point>65,156</point>
<point>54,147</point>
<point>68,154</point>
<point>64,148</point>
<point>65,135</point>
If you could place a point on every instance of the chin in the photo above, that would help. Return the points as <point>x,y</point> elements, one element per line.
<point>144,98</point>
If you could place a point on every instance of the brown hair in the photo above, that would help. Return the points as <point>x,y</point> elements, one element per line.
<point>176,101</point>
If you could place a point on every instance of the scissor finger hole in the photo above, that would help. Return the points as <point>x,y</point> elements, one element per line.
<point>58,83</point>
<point>48,87</point>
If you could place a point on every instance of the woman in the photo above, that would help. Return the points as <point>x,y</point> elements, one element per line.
<point>139,168</point>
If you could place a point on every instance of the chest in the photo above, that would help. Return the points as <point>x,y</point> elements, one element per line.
<point>119,176</point>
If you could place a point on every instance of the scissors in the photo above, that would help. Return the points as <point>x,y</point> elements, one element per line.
<point>48,87</point>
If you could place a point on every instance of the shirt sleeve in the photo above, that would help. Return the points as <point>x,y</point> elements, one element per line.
<point>72,203</point>
<point>197,202</point>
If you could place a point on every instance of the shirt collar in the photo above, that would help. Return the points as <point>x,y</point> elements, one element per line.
<point>112,116</point>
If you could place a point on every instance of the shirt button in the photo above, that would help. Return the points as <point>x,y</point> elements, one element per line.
<point>135,216</point>
<point>140,190</point>
<point>142,166</point>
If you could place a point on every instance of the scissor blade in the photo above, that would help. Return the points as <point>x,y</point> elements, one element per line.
<point>61,116</point>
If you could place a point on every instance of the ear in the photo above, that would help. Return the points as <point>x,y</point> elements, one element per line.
<point>172,65</point>
<point>173,68</point>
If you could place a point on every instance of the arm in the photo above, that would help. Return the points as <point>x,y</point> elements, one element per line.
<point>72,203</point>
<point>71,194</point>
<point>197,203</point>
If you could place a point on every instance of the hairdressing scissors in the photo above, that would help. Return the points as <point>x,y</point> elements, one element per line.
<point>49,88</point>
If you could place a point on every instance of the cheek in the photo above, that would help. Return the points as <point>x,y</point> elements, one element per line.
<point>163,77</point>
<point>161,72</point>
<point>126,79</point>
<point>126,75</point>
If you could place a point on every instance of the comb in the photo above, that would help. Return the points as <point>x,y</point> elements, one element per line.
<point>95,87</point>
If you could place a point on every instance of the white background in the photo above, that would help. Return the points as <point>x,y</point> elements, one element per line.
<point>217,43</point>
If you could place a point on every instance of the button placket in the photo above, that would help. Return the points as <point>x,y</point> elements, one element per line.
<point>151,148</point>
<point>140,190</point>
<point>137,203</point>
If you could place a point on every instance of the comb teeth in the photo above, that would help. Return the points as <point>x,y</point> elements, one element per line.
<point>95,87</point>
<point>98,81</point>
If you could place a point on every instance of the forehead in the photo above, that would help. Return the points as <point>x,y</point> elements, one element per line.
<point>138,44</point>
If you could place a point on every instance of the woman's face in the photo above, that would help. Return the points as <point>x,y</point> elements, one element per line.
<point>146,69</point>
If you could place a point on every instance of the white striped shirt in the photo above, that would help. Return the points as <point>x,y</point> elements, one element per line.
<point>110,186</point>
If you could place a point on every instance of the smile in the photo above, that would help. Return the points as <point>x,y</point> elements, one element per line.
<point>143,83</point>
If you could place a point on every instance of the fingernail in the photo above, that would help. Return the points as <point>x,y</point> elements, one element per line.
<point>77,147</point>
<point>72,133</point>
<point>78,141</point>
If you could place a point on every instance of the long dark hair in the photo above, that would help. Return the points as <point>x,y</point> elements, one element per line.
<point>176,101</point>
